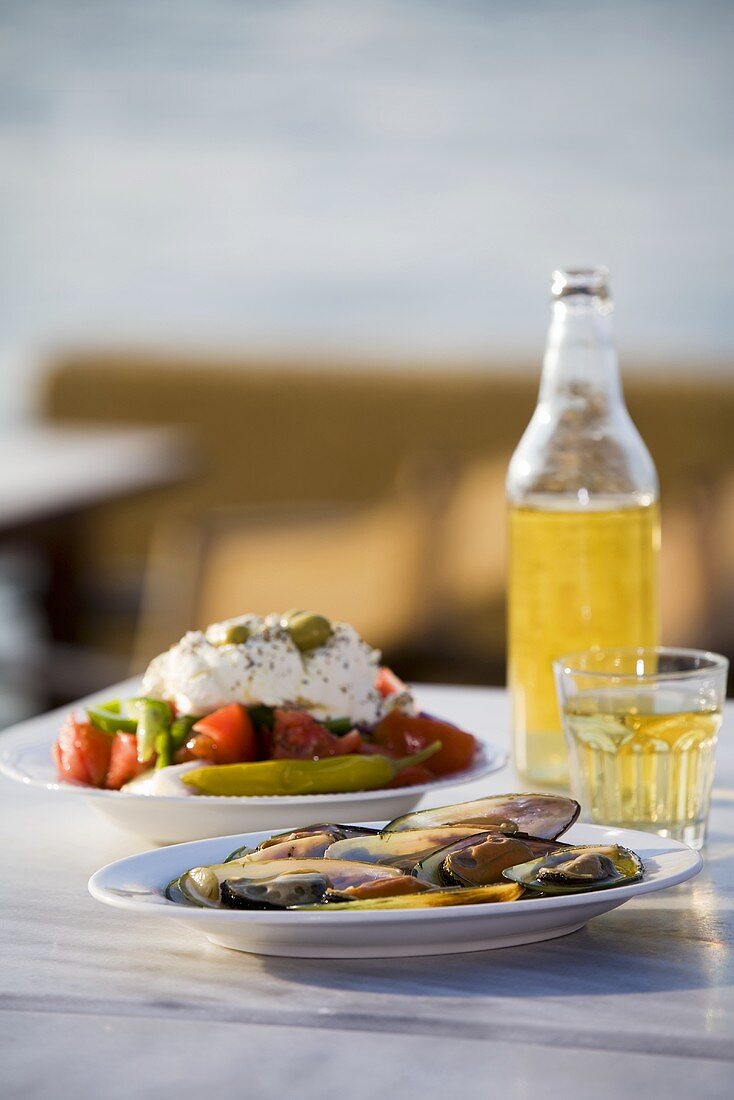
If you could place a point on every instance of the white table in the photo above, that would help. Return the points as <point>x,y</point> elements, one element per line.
<point>639,1004</point>
<point>52,477</point>
<point>49,471</point>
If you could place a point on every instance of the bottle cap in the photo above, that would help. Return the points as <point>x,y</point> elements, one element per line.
<point>593,282</point>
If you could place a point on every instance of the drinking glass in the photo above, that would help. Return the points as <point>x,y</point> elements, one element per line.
<point>641,727</point>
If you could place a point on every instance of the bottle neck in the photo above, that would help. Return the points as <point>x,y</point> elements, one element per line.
<point>580,360</point>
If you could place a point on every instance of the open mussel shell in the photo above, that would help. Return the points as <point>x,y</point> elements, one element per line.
<point>311,846</point>
<point>482,863</point>
<point>281,892</point>
<point>203,886</point>
<point>545,816</point>
<point>401,849</point>
<point>437,869</point>
<point>432,899</point>
<point>290,890</point>
<point>200,886</point>
<point>577,869</point>
<point>173,892</point>
<point>317,848</point>
<point>430,868</point>
<point>339,832</point>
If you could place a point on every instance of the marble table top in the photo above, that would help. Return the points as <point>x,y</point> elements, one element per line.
<point>638,1004</point>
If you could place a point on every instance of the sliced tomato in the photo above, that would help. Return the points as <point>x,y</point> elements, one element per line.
<point>230,736</point>
<point>387,683</point>
<point>403,734</point>
<point>71,767</point>
<point>124,764</point>
<point>82,753</point>
<point>297,735</point>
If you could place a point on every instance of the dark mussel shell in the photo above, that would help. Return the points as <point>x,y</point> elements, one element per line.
<point>544,816</point>
<point>337,832</point>
<point>204,886</point>
<point>276,893</point>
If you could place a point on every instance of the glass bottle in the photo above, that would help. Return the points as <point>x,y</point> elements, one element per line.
<point>584,521</point>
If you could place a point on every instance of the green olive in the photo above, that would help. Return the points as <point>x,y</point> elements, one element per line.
<point>236,634</point>
<point>307,630</point>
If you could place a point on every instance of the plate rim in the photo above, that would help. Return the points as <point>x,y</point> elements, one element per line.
<point>615,895</point>
<point>492,758</point>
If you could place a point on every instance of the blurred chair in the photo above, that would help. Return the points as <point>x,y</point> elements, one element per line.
<point>371,564</point>
<point>301,457</point>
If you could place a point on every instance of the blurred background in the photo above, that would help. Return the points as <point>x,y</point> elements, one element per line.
<point>273,298</point>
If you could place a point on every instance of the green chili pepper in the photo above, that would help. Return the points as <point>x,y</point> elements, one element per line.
<point>163,749</point>
<point>110,718</point>
<point>329,775</point>
<point>154,720</point>
<point>338,726</point>
<point>180,730</point>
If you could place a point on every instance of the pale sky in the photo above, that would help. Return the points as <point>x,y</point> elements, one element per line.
<point>394,175</point>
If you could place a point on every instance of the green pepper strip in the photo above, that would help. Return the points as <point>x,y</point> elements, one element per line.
<point>329,775</point>
<point>338,726</point>
<point>109,717</point>
<point>163,749</point>
<point>180,730</point>
<point>153,723</point>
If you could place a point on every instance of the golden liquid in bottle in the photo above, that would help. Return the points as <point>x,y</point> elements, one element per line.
<point>645,759</point>
<point>578,579</point>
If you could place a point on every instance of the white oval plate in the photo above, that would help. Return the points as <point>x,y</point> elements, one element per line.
<point>25,755</point>
<point>137,884</point>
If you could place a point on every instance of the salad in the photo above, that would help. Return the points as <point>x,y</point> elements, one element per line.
<point>276,705</point>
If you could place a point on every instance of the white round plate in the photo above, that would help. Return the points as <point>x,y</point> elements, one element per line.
<point>25,755</point>
<point>137,884</point>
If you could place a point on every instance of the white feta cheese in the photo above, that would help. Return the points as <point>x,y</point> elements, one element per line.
<point>334,680</point>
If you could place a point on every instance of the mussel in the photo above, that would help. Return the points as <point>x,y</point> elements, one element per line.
<point>483,863</point>
<point>216,886</point>
<point>381,888</point>
<point>577,869</point>
<point>545,816</point>
<point>339,832</point>
<point>433,899</point>
<point>319,832</point>
<point>299,888</point>
<point>200,886</point>
<point>401,849</point>
<point>311,846</point>
<point>444,867</point>
<point>175,894</point>
<point>303,888</point>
